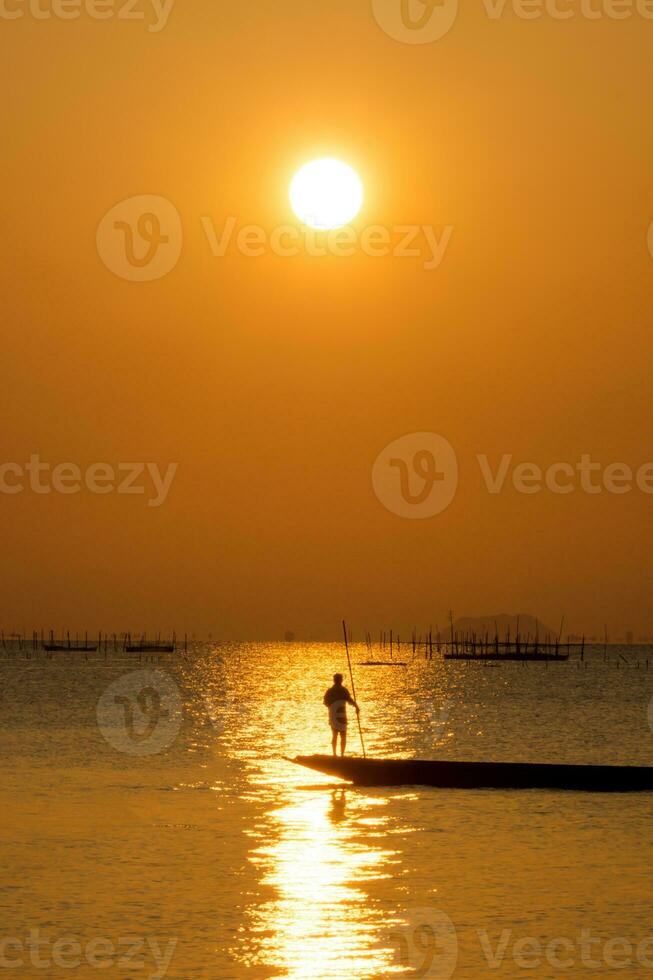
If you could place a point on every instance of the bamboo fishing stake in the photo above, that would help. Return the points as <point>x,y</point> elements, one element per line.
<point>353,688</point>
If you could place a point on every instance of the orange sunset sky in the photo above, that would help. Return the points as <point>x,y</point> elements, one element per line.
<point>275,382</point>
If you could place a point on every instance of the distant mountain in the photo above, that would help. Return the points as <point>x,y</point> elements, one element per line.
<point>527,625</point>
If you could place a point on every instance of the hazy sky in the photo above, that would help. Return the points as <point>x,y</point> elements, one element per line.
<point>274,382</point>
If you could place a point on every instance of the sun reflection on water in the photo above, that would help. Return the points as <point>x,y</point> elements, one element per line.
<point>326,892</point>
<point>321,920</point>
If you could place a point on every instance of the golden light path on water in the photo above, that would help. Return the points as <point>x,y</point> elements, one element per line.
<point>320,922</point>
<point>249,866</point>
<point>320,847</point>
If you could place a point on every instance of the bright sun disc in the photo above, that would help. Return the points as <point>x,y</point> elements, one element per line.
<point>326,194</point>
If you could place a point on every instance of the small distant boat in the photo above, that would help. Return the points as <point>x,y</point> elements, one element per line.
<point>73,646</point>
<point>143,645</point>
<point>68,645</point>
<point>382,663</point>
<point>481,775</point>
<point>147,646</point>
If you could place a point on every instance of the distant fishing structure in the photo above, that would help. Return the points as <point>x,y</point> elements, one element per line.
<point>374,662</point>
<point>486,647</point>
<point>12,643</point>
<point>462,645</point>
<point>469,646</point>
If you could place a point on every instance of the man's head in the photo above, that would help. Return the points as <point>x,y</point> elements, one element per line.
<point>337,679</point>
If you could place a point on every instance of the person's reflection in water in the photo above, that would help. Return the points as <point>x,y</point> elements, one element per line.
<point>337,812</point>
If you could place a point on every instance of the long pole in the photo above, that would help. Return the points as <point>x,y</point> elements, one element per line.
<point>353,688</point>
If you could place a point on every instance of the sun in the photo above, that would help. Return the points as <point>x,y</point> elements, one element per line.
<point>326,194</point>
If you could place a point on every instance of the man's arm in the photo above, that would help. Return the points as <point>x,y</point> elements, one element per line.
<point>352,702</point>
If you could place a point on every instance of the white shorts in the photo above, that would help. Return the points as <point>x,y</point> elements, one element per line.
<point>338,716</point>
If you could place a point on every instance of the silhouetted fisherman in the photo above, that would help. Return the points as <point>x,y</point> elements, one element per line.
<point>336,699</point>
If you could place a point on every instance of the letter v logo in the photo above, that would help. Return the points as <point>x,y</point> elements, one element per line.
<point>415,21</point>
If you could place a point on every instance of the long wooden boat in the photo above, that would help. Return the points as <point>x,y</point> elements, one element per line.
<point>481,775</point>
<point>382,663</point>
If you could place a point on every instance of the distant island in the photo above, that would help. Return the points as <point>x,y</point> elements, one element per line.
<point>503,624</point>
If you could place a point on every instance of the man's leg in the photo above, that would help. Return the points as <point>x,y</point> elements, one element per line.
<point>334,740</point>
<point>343,741</point>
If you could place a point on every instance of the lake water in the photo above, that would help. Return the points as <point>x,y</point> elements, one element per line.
<point>151,826</point>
